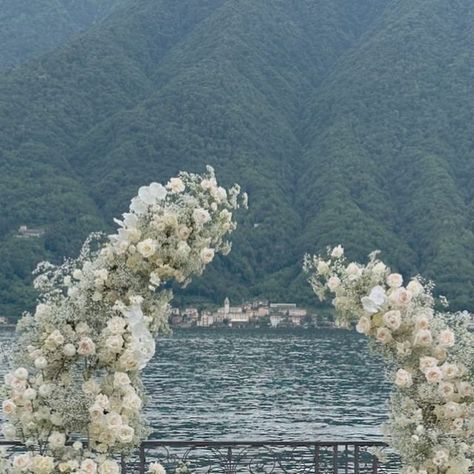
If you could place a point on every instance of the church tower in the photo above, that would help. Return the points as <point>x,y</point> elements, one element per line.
<point>226,306</point>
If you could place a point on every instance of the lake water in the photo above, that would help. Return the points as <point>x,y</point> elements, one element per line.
<point>238,384</point>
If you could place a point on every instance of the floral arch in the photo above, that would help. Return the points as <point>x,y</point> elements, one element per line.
<point>76,374</point>
<point>429,356</point>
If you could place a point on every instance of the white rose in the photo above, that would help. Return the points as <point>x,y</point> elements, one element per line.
<point>458,423</point>
<point>146,195</point>
<point>364,325</point>
<point>42,311</point>
<point>156,468</point>
<point>109,467</point>
<point>446,338</point>
<point>433,374</point>
<point>423,338</point>
<point>375,300</point>
<point>96,411</point>
<point>90,387</point>
<point>29,394</point>
<point>86,346</point>
<point>45,390</point>
<point>337,252</point>
<point>392,319</point>
<point>422,322</point>
<point>401,297</point>
<point>77,446</point>
<point>116,325</point>
<point>428,362</point>
<point>42,465</point>
<point>132,402</point>
<point>69,350</point>
<point>22,462</point>
<point>207,255</point>
<point>9,431</point>
<point>128,361</point>
<point>21,373</point>
<point>184,232</point>
<point>125,434</point>
<point>394,280</point>
<point>446,390</point>
<point>113,420</point>
<point>56,420</point>
<point>176,185</point>
<point>57,440</point>
<point>88,466</point>
<point>334,283</point>
<point>41,363</point>
<point>147,247</point>
<point>114,343</point>
<point>207,184</point>
<point>221,194</point>
<point>82,328</point>
<point>322,267</point>
<point>450,371</point>
<point>379,268</point>
<point>133,235</point>
<point>17,384</point>
<point>353,271</point>
<point>415,287</point>
<point>101,274</point>
<point>138,206</point>
<point>121,379</point>
<point>102,400</point>
<point>77,274</point>
<point>384,335</point>
<point>403,378</point>
<point>452,410</point>
<point>201,216</point>
<point>465,389</point>
<point>56,337</point>
<point>8,407</point>
<point>440,353</point>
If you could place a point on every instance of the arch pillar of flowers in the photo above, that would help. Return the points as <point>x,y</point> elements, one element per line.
<point>76,372</point>
<point>429,356</point>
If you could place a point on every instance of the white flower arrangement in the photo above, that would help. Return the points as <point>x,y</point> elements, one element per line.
<point>429,357</point>
<point>77,371</point>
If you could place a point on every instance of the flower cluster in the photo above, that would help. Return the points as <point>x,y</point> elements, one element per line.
<point>428,354</point>
<point>77,372</point>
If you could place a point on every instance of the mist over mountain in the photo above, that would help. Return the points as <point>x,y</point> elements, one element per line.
<point>346,122</point>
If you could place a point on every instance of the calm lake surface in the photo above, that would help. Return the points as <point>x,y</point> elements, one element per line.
<point>238,384</point>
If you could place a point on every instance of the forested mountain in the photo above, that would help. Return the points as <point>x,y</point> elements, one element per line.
<point>345,120</point>
<point>29,28</point>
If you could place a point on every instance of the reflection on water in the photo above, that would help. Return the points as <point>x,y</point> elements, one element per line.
<point>272,384</point>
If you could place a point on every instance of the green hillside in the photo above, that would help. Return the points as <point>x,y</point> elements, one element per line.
<point>346,121</point>
<point>29,28</point>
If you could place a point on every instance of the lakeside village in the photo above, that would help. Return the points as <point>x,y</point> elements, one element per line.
<point>259,313</point>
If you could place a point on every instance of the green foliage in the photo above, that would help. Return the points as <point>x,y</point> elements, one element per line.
<point>347,121</point>
<point>31,28</point>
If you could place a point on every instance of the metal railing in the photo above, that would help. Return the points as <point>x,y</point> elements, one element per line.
<point>253,457</point>
<point>265,457</point>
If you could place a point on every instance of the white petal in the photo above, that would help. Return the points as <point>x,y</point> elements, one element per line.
<point>158,191</point>
<point>369,305</point>
<point>130,220</point>
<point>145,194</point>
<point>377,295</point>
<point>138,206</point>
